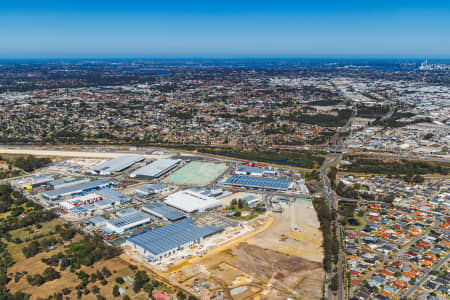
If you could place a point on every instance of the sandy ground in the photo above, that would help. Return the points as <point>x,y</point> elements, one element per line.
<point>296,232</point>
<point>284,260</point>
<point>63,153</point>
<point>82,163</point>
<point>247,271</point>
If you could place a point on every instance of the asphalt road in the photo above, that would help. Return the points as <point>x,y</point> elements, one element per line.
<point>328,193</point>
<point>425,278</point>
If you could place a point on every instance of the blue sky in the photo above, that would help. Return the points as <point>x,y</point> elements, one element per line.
<point>277,28</point>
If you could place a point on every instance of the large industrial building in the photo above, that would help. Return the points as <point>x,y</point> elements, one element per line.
<point>148,190</point>
<point>34,181</point>
<point>192,200</point>
<point>78,189</point>
<point>156,169</point>
<point>101,199</point>
<point>266,183</point>
<point>162,211</point>
<point>254,171</point>
<point>69,204</point>
<point>113,195</point>
<point>68,181</point>
<point>167,240</point>
<point>116,165</point>
<point>120,225</point>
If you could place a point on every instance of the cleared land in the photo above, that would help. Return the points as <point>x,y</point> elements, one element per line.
<point>247,271</point>
<point>296,232</point>
<point>86,154</point>
<point>197,173</point>
<point>282,260</point>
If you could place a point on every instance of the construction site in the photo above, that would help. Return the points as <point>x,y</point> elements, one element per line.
<point>250,272</point>
<point>275,256</point>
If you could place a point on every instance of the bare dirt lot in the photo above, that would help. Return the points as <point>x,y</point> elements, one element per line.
<point>248,271</point>
<point>285,260</point>
<point>295,232</point>
<point>67,153</point>
<point>286,273</point>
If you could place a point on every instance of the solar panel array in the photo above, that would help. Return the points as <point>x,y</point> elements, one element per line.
<point>172,236</point>
<point>163,210</point>
<point>127,220</point>
<point>258,182</point>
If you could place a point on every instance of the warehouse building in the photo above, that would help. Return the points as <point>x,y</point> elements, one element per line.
<point>69,204</point>
<point>169,239</point>
<point>67,181</point>
<point>151,189</point>
<point>126,211</point>
<point>34,181</point>
<point>96,221</point>
<point>104,205</point>
<point>251,200</point>
<point>266,183</point>
<point>111,198</point>
<point>79,189</point>
<point>163,211</point>
<point>82,211</point>
<point>116,165</point>
<point>128,222</point>
<point>101,200</point>
<point>192,200</point>
<point>156,169</point>
<point>113,195</point>
<point>255,171</point>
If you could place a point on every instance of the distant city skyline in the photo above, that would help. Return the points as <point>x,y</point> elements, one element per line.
<point>212,29</point>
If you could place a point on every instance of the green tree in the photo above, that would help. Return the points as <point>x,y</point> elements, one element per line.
<point>120,280</point>
<point>115,291</point>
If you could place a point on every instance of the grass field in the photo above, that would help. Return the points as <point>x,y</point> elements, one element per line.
<point>197,173</point>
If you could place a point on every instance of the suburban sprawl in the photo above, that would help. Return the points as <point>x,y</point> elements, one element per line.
<point>225,180</point>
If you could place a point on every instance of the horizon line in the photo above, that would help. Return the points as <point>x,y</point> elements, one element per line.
<point>230,58</point>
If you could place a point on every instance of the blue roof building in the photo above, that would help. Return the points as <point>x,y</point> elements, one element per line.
<point>163,211</point>
<point>167,240</point>
<point>147,190</point>
<point>258,182</point>
<point>120,225</point>
<point>78,189</point>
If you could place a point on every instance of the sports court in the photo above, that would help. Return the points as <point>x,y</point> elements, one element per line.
<point>197,173</point>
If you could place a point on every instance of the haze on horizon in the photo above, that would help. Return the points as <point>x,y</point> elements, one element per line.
<point>225,29</point>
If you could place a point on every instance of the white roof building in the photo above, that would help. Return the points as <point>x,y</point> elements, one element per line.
<point>116,165</point>
<point>127,222</point>
<point>156,169</point>
<point>192,200</point>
